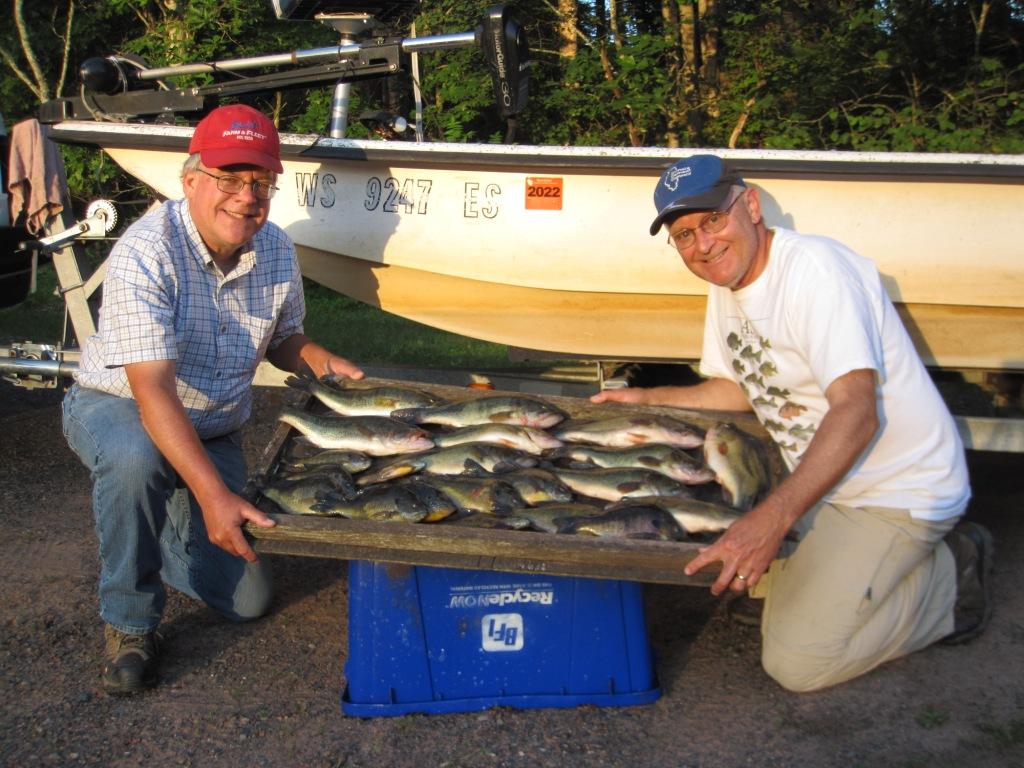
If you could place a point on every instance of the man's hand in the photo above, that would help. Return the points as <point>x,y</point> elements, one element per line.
<point>224,519</point>
<point>633,395</point>
<point>746,548</point>
<point>339,366</point>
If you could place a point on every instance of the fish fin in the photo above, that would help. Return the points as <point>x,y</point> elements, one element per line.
<point>502,417</point>
<point>650,462</point>
<point>504,466</point>
<point>296,383</point>
<point>628,487</point>
<point>474,468</point>
<point>581,464</point>
<point>408,415</point>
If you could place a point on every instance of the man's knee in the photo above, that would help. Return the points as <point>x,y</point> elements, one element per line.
<point>798,670</point>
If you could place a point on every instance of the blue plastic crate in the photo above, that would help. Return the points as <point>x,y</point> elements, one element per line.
<point>440,640</point>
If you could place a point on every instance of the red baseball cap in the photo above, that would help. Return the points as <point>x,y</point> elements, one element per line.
<point>237,134</point>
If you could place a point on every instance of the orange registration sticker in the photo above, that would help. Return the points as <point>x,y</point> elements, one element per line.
<point>543,193</point>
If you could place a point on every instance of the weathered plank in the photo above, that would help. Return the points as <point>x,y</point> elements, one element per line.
<point>480,549</point>
<point>500,550</point>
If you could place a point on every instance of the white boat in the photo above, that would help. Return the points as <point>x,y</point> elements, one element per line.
<point>547,248</point>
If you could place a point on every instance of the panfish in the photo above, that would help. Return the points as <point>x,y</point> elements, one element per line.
<point>627,431</point>
<point>350,401</point>
<point>667,459</point>
<point>384,504</point>
<point>373,435</point>
<point>476,494</point>
<point>693,516</point>
<point>612,484</point>
<point>299,497</point>
<point>636,522</point>
<point>537,486</point>
<point>528,439</point>
<point>548,517</point>
<point>737,462</point>
<point>467,458</point>
<point>438,505</point>
<point>497,409</point>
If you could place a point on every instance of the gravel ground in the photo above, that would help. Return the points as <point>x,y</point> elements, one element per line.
<point>267,693</point>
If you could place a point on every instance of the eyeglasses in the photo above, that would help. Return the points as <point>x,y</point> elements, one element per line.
<point>232,185</point>
<point>716,221</point>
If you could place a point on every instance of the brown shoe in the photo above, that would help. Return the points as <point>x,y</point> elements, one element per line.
<point>972,548</point>
<point>129,661</point>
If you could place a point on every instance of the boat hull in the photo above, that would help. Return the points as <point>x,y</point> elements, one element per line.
<point>547,248</point>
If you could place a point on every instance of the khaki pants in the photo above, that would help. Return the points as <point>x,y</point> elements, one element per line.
<point>862,586</point>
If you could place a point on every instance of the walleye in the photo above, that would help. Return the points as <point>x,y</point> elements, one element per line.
<point>476,494</point>
<point>467,458</point>
<point>384,504</point>
<point>637,522</point>
<point>536,486</point>
<point>549,517</point>
<point>668,460</point>
<point>478,520</point>
<point>498,409</point>
<point>627,431</point>
<point>738,465</point>
<point>371,401</point>
<point>528,439</point>
<point>693,516</point>
<point>335,475</point>
<point>375,435</point>
<point>350,461</point>
<point>612,484</point>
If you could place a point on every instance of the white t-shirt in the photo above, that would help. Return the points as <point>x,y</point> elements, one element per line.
<point>817,312</point>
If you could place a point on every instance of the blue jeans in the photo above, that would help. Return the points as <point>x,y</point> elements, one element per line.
<point>150,528</point>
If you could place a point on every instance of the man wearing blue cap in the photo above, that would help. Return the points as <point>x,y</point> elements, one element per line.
<point>800,329</point>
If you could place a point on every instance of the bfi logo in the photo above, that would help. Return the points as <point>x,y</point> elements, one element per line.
<point>502,632</point>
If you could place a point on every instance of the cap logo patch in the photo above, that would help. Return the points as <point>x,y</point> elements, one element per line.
<point>244,130</point>
<point>673,176</point>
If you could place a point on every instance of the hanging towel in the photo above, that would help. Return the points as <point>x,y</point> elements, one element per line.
<point>36,177</point>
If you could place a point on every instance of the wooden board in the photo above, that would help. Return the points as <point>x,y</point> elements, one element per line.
<point>499,550</point>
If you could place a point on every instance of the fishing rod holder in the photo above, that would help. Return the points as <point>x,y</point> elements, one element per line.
<point>123,89</point>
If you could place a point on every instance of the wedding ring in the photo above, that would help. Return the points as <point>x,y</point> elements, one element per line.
<point>741,577</point>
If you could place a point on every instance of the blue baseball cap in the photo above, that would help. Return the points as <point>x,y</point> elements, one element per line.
<point>695,183</point>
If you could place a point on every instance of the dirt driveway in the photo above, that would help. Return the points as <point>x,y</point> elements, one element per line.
<point>267,694</point>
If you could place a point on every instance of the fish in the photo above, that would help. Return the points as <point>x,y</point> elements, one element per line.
<point>548,517</point>
<point>627,431</point>
<point>361,401</point>
<point>614,483</point>
<point>738,465</point>
<point>384,504</point>
<point>536,485</point>
<point>298,497</point>
<point>350,461</point>
<point>439,505</point>
<point>668,460</point>
<point>476,494</point>
<point>373,435</point>
<point>498,409</point>
<point>636,522</point>
<point>693,516</point>
<point>468,458</point>
<point>479,520</point>
<point>528,439</point>
<point>335,475</point>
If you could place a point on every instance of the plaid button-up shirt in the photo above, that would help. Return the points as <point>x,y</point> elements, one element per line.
<point>165,299</point>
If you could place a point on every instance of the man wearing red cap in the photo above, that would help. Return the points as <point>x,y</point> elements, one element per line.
<point>197,293</point>
<point>800,329</point>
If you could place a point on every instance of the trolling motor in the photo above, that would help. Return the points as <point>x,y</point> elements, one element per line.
<point>124,88</point>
